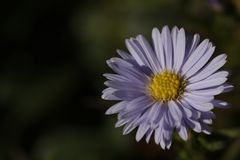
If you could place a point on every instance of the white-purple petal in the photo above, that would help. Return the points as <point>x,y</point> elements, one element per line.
<point>208,91</point>
<point>158,132</point>
<point>182,131</point>
<point>205,129</point>
<point>121,122</point>
<point>148,135</point>
<point>124,54</point>
<point>207,121</point>
<point>176,113</point>
<point>127,95</point>
<point>200,63</point>
<point>208,115</point>
<point>150,55</point>
<point>139,102</point>
<point>220,104</point>
<point>195,125</point>
<point>185,106</point>
<point>195,56</point>
<point>180,50</point>
<point>198,106</point>
<point>199,98</point>
<point>206,84</point>
<point>227,87</point>
<point>209,69</point>
<point>127,70</point>
<point>174,41</point>
<point>192,44</point>
<point>129,127</point>
<point>116,108</point>
<point>167,43</point>
<point>158,47</point>
<point>142,130</point>
<point>108,95</point>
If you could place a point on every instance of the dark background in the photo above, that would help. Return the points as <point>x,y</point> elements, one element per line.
<point>52,57</point>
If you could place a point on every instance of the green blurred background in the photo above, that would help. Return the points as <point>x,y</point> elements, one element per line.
<point>52,58</point>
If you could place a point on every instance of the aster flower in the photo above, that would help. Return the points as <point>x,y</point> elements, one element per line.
<point>170,86</point>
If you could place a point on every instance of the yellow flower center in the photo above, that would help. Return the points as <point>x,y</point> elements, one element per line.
<point>166,86</point>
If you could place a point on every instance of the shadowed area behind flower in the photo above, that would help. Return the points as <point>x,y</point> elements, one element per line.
<point>52,59</point>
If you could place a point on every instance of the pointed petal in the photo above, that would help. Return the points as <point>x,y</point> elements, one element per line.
<point>190,111</point>
<point>220,74</point>
<point>206,129</point>
<point>142,129</point>
<point>115,77</point>
<point>174,41</point>
<point>158,47</point>
<point>127,95</point>
<point>195,125</point>
<point>121,122</point>
<point>127,69</point>
<point>182,131</point>
<point>124,54</point>
<point>201,107</point>
<point>168,144</point>
<point>150,55</point>
<point>207,121</point>
<point>136,52</point>
<point>153,115</point>
<point>158,133</point>
<point>199,98</point>
<point>125,86</point>
<point>108,94</point>
<point>206,84</point>
<point>176,113</point>
<point>201,62</point>
<point>140,102</point>
<point>227,88</point>
<point>148,135</point>
<point>180,49</point>
<point>167,45</point>
<point>168,118</point>
<point>209,69</point>
<point>128,128</point>
<point>208,115</point>
<point>194,43</point>
<point>116,108</point>
<point>162,143</point>
<point>220,104</point>
<point>195,56</point>
<point>208,91</point>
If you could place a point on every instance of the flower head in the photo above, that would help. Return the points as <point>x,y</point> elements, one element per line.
<point>170,86</point>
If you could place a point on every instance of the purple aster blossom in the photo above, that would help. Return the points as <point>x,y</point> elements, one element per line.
<point>165,87</point>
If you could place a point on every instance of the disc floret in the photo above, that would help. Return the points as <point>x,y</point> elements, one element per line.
<point>166,86</point>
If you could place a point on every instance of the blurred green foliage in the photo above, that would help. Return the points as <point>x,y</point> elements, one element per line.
<point>52,57</point>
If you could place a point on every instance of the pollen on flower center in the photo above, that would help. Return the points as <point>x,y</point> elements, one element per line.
<point>166,86</point>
